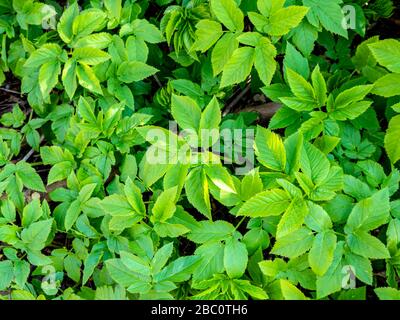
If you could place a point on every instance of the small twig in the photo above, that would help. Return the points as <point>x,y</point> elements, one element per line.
<point>158,81</point>
<point>396,21</point>
<point>380,274</point>
<point>240,222</point>
<point>30,153</point>
<point>7,104</point>
<point>43,195</point>
<point>265,110</point>
<point>230,106</point>
<point>11,91</point>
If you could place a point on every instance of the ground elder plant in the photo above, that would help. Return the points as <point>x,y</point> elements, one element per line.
<point>199,149</point>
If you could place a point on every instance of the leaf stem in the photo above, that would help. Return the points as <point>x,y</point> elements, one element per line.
<point>240,222</point>
<point>10,91</point>
<point>230,106</point>
<point>340,234</point>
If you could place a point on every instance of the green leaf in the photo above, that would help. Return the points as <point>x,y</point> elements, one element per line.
<point>146,31</point>
<point>298,104</point>
<point>293,147</point>
<point>321,252</point>
<point>6,270</point>
<point>8,211</point>
<point>264,60</point>
<point>90,263</point>
<point>161,257</point>
<point>228,13</point>
<point>149,171</point>
<point>88,21</point>
<point>207,34</point>
<point>362,267</point>
<point>99,40</point>
<point>121,274</point>
<point>68,78</point>
<point>137,49</point>
<point>21,272</point>
<point>132,71</point>
<point>118,223</point>
<point>319,86</point>
<point>300,87</point>
<point>251,185</point>
<point>117,205</point>
<point>207,231</point>
<point>295,61</point>
<point>352,95</point>
<point>387,53</point>
<point>387,293</point>
<point>49,52</point>
<point>211,116</point>
<point>90,56</point>
<point>134,197</point>
<point>267,7</point>
<point>86,192</point>
<point>356,188</point>
<point>54,154</point>
<point>196,187</point>
<point>251,38</point>
<point>176,176</point>
<point>36,258</point>
<point>223,51</point>
<point>15,118</point>
<point>393,233</point>
<point>285,19</point>
<point>363,244</point>
<point>72,214</point>
<point>164,207</point>
<point>268,203</point>
<point>283,289</point>
<point>31,213</point>
<point>392,145</point>
<point>235,258</point>
<point>292,219</point>
<point>129,168</point>
<point>72,266</point>
<point>332,280</point>
<point>64,27</point>
<point>255,239</point>
<point>386,86</point>
<point>35,236</point>
<point>48,77</point>
<point>294,244</point>
<point>88,79</point>
<point>220,176</point>
<point>329,14</point>
<point>211,260</point>
<point>29,177</point>
<point>352,111</point>
<point>177,271</point>
<point>326,190</point>
<point>304,37</point>
<point>186,112</point>
<point>269,149</point>
<point>135,264</point>
<point>369,213</point>
<point>293,191</point>
<point>238,66</point>
<point>314,163</point>
<point>373,172</point>
<point>317,219</point>
<point>258,20</point>
<point>59,171</point>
